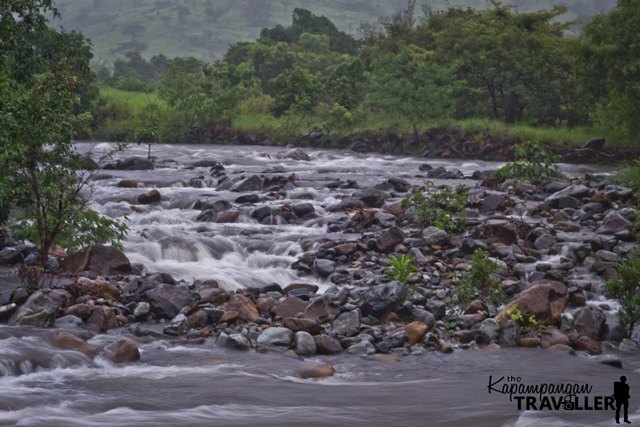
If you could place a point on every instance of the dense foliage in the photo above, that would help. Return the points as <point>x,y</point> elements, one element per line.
<point>405,74</point>
<point>626,290</point>
<point>45,95</point>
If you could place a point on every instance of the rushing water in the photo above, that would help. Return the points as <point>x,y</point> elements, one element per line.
<point>204,385</point>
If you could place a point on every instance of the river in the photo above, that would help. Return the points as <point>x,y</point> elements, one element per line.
<point>204,385</point>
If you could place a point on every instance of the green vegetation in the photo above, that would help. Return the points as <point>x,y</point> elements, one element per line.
<point>401,268</point>
<point>510,74</point>
<point>45,92</point>
<point>442,207</point>
<point>205,28</point>
<point>626,290</point>
<point>527,325</point>
<point>533,163</point>
<point>481,282</point>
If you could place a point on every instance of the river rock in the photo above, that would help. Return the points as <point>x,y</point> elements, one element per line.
<point>227,217</point>
<point>371,197</point>
<point>303,209</point>
<point>179,325</point>
<point>591,321</point>
<point>298,154</point>
<point>327,345</point>
<point>66,322</point>
<point>566,321</point>
<point>388,240</point>
<point>99,259</point>
<point>363,347</point>
<point>41,308</point>
<point>297,324</point>
<point>246,309</point>
<point>122,351</point>
<point>233,341</point>
<point>587,344</point>
<point>102,319</point>
<point>509,334</point>
<point>304,345</point>
<point>131,163</point>
<point>347,203</point>
<point>442,173</point>
<point>142,310</point>
<point>322,309</point>
<point>415,331</point>
<point>150,197</point>
<point>167,300</point>
<point>434,236</point>
<point>424,316</point>
<point>248,198</point>
<point>253,183</point>
<point>553,336</point>
<point>383,298</point>
<point>491,328</point>
<point>275,339</point>
<point>290,307</point>
<point>614,223</point>
<point>568,197</point>
<point>437,308</point>
<point>347,324</point>
<point>545,299</point>
<point>67,341</point>
<point>493,202</point>
<point>324,267</point>
<point>315,370</point>
<point>498,230</point>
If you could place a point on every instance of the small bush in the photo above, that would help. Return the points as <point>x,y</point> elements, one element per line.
<point>631,175</point>
<point>533,163</point>
<point>441,207</point>
<point>481,281</point>
<point>402,269</point>
<point>626,290</point>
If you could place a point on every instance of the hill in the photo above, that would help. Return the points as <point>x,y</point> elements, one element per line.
<point>205,28</point>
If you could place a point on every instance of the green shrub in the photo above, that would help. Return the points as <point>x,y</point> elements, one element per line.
<point>631,175</point>
<point>442,207</point>
<point>481,282</point>
<point>533,163</point>
<point>402,269</point>
<point>626,290</point>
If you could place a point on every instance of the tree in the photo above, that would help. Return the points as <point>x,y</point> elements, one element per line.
<point>517,66</point>
<point>610,62</point>
<point>410,85</point>
<point>42,187</point>
<point>294,90</point>
<point>626,290</point>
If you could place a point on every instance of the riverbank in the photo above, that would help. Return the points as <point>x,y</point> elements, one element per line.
<point>289,250</point>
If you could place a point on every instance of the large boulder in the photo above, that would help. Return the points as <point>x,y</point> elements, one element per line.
<point>67,341</point>
<point>131,163</point>
<point>290,307</point>
<point>99,259</point>
<point>614,223</point>
<point>590,321</point>
<point>41,308</point>
<point>545,299</point>
<point>150,197</point>
<point>167,300</point>
<point>383,298</point>
<point>322,309</point>
<point>568,197</point>
<point>253,183</point>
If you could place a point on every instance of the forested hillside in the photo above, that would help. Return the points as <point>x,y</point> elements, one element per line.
<point>205,28</point>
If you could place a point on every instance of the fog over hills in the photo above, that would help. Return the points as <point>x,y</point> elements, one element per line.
<point>206,28</point>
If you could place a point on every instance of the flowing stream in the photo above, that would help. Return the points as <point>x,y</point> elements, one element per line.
<point>204,385</point>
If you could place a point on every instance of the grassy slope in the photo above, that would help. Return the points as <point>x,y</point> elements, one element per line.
<point>196,35</point>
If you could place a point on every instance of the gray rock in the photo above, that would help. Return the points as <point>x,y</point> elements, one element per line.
<point>150,197</point>
<point>609,360</point>
<point>234,341</point>
<point>167,300</point>
<point>596,144</point>
<point>302,209</point>
<point>304,345</point>
<point>347,324</point>
<point>562,199</point>
<point>442,173</point>
<point>68,322</point>
<point>142,310</point>
<point>614,223</point>
<point>275,339</point>
<point>491,328</point>
<point>363,347</point>
<point>591,321</point>
<point>434,236</point>
<point>322,309</point>
<point>253,183</point>
<point>179,325</point>
<point>131,163</point>
<point>298,154</point>
<point>325,267</point>
<point>628,346</point>
<point>437,308</point>
<point>608,256</point>
<point>371,197</point>
<point>424,316</point>
<point>493,202</point>
<point>41,308</point>
<point>509,334</point>
<point>383,298</point>
<point>389,239</point>
<point>566,322</point>
<point>544,242</point>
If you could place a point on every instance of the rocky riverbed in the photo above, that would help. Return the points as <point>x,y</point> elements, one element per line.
<point>284,251</point>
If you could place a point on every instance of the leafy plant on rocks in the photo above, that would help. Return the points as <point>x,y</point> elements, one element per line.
<point>402,269</point>
<point>527,325</point>
<point>533,162</point>
<point>442,207</point>
<point>626,290</point>
<point>481,282</point>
